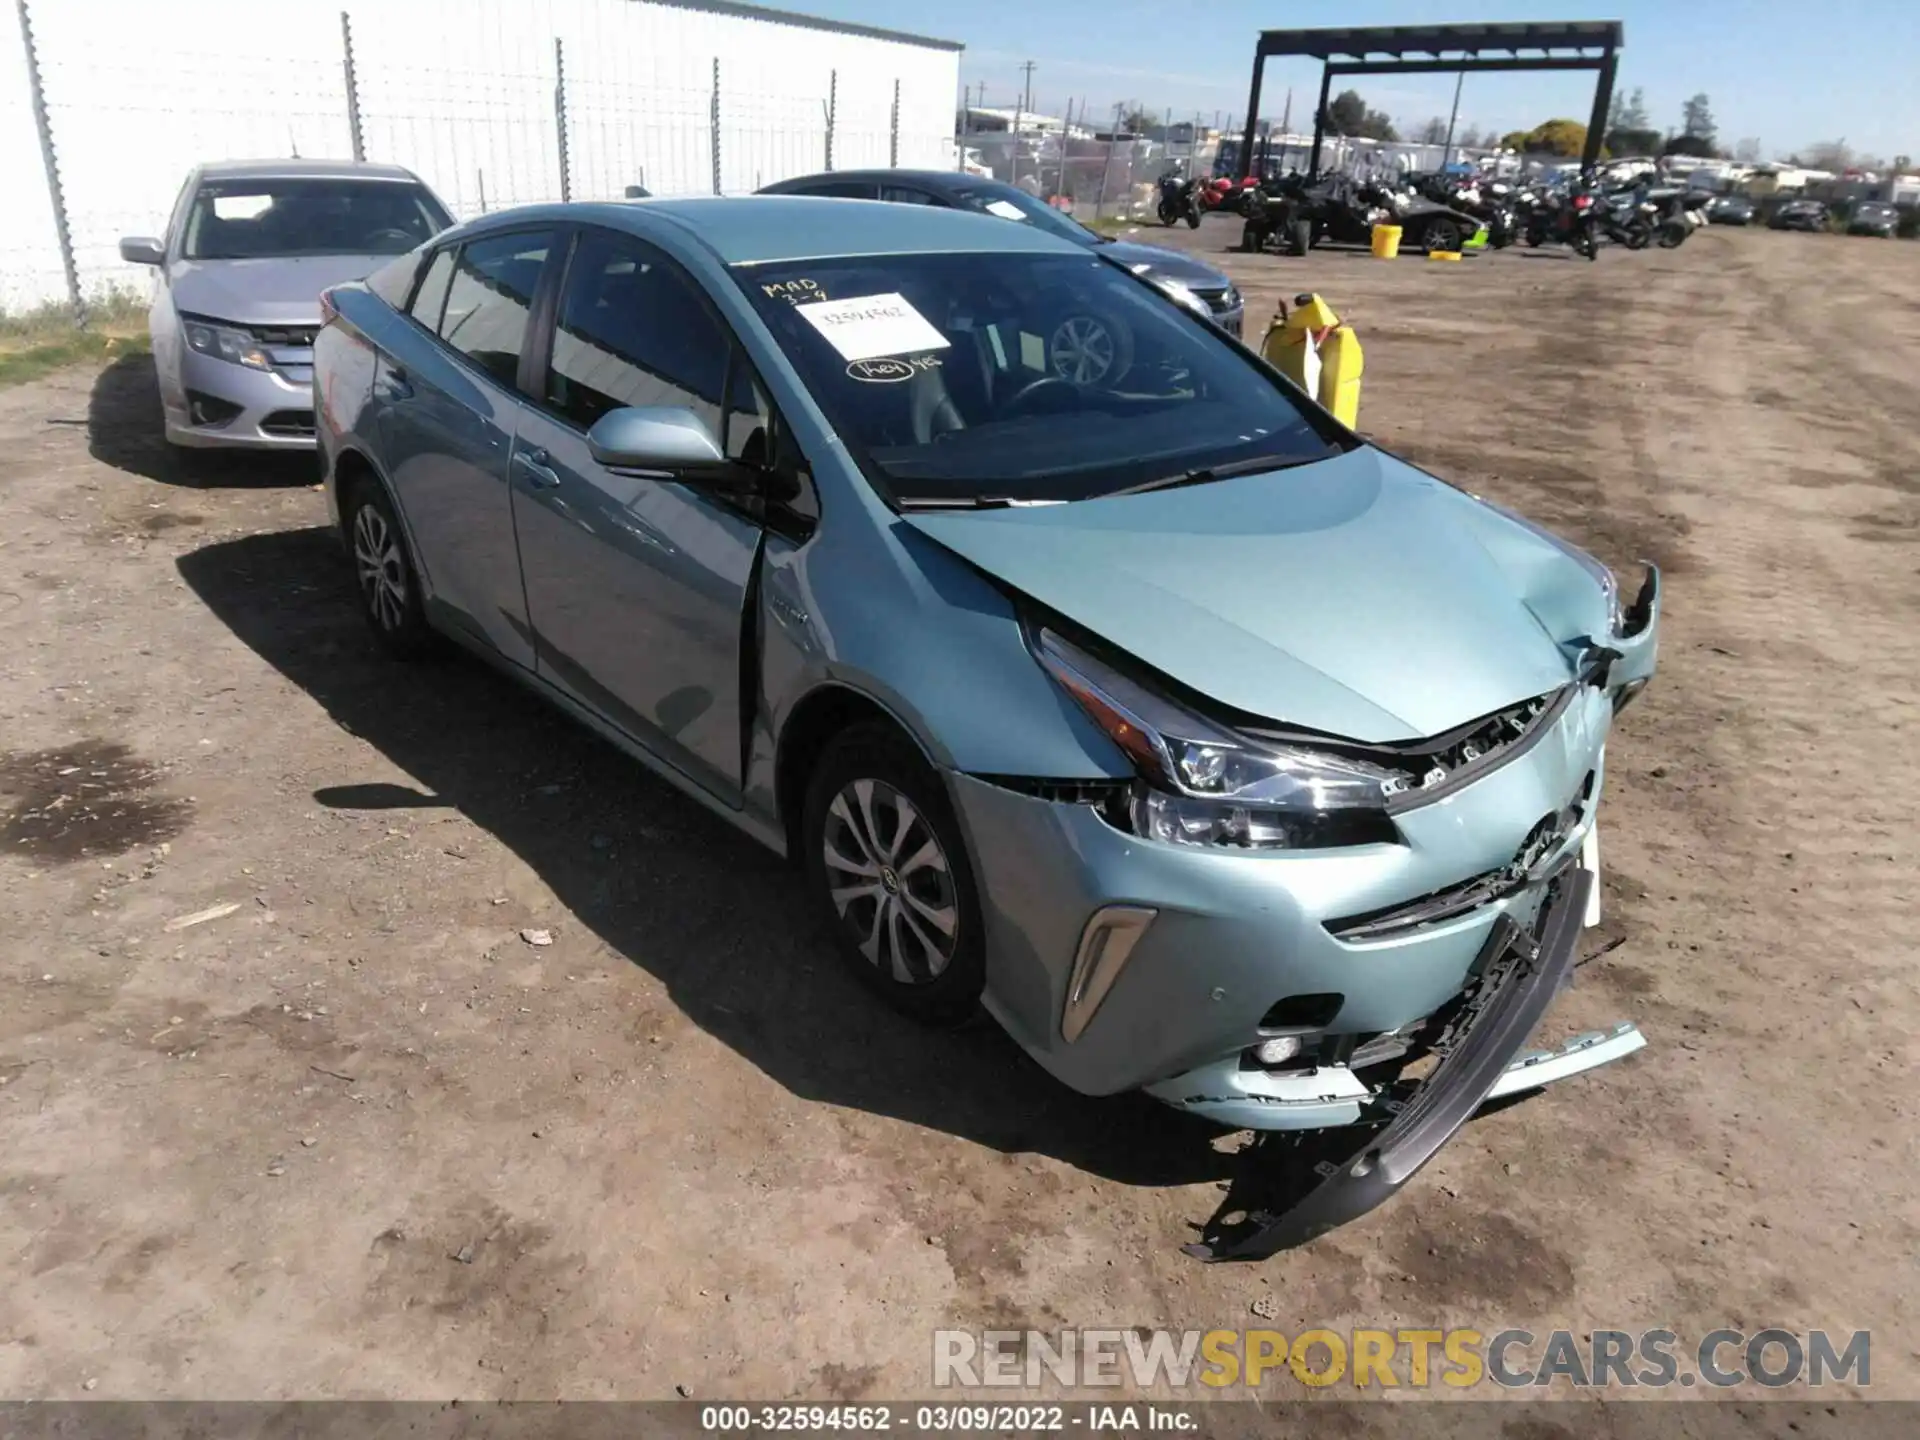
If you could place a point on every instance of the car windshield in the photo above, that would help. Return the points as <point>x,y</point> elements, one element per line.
<point>1874,208</point>
<point>1007,378</point>
<point>274,219</point>
<point>1010,202</point>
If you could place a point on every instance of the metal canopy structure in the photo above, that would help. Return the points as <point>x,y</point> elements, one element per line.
<point>1443,49</point>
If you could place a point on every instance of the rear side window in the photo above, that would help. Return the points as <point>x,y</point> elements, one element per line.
<point>841,190</point>
<point>485,317</point>
<point>431,298</point>
<point>907,195</point>
<point>633,331</point>
<point>393,280</point>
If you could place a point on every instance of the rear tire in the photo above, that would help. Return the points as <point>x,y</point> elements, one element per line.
<point>887,866</point>
<point>387,579</point>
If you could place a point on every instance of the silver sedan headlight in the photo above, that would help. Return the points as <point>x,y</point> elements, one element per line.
<point>1201,784</point>
<point>222,342</point>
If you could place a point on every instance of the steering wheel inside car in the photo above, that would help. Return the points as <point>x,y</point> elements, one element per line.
<point>394,233</point>
<point>1046,385</point>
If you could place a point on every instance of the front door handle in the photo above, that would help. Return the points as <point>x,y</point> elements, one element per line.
<point>540,473</point>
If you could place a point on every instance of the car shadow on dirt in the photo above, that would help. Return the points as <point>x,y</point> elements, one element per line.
<point>125,430</point>
<point>718,920</point>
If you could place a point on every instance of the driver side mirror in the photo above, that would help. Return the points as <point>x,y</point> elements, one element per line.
<point>143,250</point>
<point>668,442</point>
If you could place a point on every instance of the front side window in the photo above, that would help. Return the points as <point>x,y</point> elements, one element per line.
<point>976,378</point>
<point>491,291</point>
<point>632,330</point>
<point>277,219</point>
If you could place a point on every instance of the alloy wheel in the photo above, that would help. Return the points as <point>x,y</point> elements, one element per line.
<point>1082,350</point>
<point>382,567</point>
<point>889,881</point>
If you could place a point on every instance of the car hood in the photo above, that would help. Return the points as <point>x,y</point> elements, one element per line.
<point>1357,596</point>
<point>1165,264</point>
<point>264,292</point>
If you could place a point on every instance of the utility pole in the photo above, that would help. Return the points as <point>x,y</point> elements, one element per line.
<point>1027,97</point>
<point>1458,81</point>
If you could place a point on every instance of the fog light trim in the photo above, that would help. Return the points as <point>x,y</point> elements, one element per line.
<point>1106,944</point>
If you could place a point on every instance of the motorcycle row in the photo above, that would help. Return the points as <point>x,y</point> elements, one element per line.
<point>1439,212</point>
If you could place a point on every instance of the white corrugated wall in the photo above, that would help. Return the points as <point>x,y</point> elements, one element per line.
<point>462,91</point>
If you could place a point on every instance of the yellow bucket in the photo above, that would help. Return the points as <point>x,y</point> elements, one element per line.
<point>1386,241</point>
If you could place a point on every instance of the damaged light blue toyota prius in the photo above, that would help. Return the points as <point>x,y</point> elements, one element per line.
<point>1094,676</point>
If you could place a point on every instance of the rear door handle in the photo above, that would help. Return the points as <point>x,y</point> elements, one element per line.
<point>397,387</point>
<point>540,473</point>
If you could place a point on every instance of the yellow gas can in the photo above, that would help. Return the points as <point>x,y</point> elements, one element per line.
<point>1340,365</point>
<point>1311,347</point>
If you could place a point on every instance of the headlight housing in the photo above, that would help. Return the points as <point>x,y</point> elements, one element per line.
<point>1203,785</point>
<point>223,342</point>
<point>1181,295</point>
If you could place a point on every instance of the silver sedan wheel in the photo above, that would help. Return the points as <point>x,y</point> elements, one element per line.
<point>1082,350</point>
<point>889,881</point>
<point>382,567</point>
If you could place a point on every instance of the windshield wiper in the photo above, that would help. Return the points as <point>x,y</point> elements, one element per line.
<point>969,502</point>
<point>1208,473</point>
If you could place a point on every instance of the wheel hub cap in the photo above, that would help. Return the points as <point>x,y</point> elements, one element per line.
<point>890,882</point>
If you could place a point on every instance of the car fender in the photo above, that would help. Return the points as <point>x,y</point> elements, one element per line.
<point>900,621</point>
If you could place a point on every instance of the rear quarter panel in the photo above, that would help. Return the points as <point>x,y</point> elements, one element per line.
<point>345,356</point>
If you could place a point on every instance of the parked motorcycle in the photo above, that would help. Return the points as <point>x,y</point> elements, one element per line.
<point>1179,200</point>
<point>1627,219</point>
<point>1572,219</point>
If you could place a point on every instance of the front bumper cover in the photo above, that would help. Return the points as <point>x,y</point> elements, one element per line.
<point>1518,974</point>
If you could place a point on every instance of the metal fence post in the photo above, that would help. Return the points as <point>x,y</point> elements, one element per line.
<point>38,99</point>
<point>833,104</point>
<point>353,87</point>
<point>1106,166</point>
<point>893,131</point>
<point>715,118</point>
<point>560,116</point>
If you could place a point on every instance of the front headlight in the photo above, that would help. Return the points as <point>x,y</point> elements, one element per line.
<point>1204,785</point>
<point>1181,294</point>
<point>222,343</point>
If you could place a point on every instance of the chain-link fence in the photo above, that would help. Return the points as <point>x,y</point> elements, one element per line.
<point>492,102</point>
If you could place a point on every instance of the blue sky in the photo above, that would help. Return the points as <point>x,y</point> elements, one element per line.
<point>1786,74</point>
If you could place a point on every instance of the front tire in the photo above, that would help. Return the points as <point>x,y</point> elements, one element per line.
<point>1441,235</point>
<point>888,868</point>
<point>388,581</point>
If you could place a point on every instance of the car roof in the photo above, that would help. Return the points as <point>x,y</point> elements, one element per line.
<point>755,229</point>
<point>297,169</point>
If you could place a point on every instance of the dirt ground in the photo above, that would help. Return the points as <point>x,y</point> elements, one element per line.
<point>288,1107</point>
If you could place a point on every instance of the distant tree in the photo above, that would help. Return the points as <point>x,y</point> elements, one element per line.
<point>1514,140</point>
<point>1378,126</point>
<point>1557,137</point>
<point>1472,139</point>
<point>1137,120</point>
<point>1697,121</point>
<point>1434,132</point>
<point>1623,141</point>
<point>1747,152</point>
<point>1902,164</point>
<point>1684,144</point>
<point>1346,114</point>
